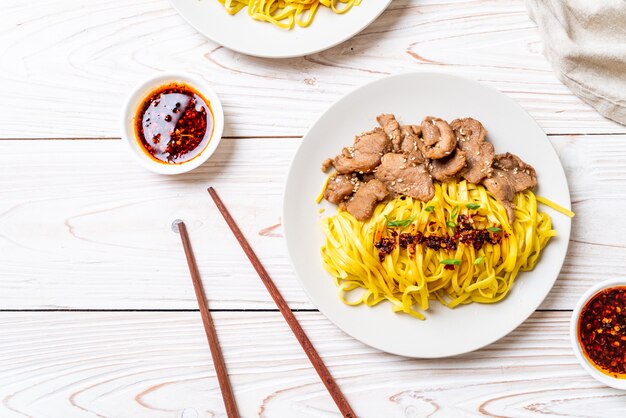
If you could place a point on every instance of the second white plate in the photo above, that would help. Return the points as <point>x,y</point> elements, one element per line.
<point>243,34</point>
<point>411,97</point>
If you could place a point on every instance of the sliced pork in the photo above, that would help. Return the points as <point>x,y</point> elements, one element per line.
<point>479,153</point>
<point>403,177</point>
<point>438,139</point>
<point>340,187</point>
<point>364,201</point>
<point>447,168</point>
<point>510,175</point>
<point>522,176</point>
<point>392,128</point>
<point>410,138</point>
<point>395,160</point>
<point>364,155</point>
<point>327,164</point>
<point>500,186</point>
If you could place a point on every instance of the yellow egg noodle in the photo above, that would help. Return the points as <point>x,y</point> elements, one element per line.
<point>411,282</point>
<point>286,13</point>
<point>555,206</point>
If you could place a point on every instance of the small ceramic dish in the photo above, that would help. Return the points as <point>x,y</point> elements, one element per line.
<point>618,383</point>
<point>131,109</point>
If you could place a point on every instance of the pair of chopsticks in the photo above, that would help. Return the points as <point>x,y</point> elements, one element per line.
<point>216,352</point>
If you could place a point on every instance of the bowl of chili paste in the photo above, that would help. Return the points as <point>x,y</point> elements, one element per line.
<point>598,332</point>
<point>172,122</point>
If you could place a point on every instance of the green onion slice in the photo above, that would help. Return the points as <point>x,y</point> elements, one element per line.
<point>455,212</point>
<point>400,222</point>
<point>450,262</point>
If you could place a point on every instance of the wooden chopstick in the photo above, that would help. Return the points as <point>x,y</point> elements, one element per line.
<point>293,323</point>
<point>209,328</point>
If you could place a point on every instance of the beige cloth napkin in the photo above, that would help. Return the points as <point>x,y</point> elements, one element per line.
<point>585,41</point>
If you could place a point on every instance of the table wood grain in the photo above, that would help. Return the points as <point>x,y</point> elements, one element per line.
<point>157,364</point>
<point>67,65</point>
<point>97,317</point>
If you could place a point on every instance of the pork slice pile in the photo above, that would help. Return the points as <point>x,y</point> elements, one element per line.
<point>403,160</point>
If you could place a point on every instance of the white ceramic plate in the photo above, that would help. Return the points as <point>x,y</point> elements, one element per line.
<point>243,34</point>
<point>410,97</point>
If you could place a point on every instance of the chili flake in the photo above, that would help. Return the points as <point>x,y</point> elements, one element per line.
<point>385,246</point>
<point>602,331</point>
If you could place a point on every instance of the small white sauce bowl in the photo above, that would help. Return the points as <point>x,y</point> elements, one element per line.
<point>578,350</point>
<point>143,90</point>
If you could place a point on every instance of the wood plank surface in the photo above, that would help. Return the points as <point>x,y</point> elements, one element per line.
<point>82,226</point>
<point>66,65</point>
<point>76,364</point>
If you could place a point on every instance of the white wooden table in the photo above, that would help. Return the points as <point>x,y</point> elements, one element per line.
<point>98,313</point>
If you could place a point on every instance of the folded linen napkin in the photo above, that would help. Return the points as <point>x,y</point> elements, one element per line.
<point>585,41</point>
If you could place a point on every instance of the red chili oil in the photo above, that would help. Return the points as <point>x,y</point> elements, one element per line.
<point>464,232</point>
<point>174,123</point>
<point>602,331</point>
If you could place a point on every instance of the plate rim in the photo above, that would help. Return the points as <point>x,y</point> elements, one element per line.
<point>310,51</point>
<point>565,234</point>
